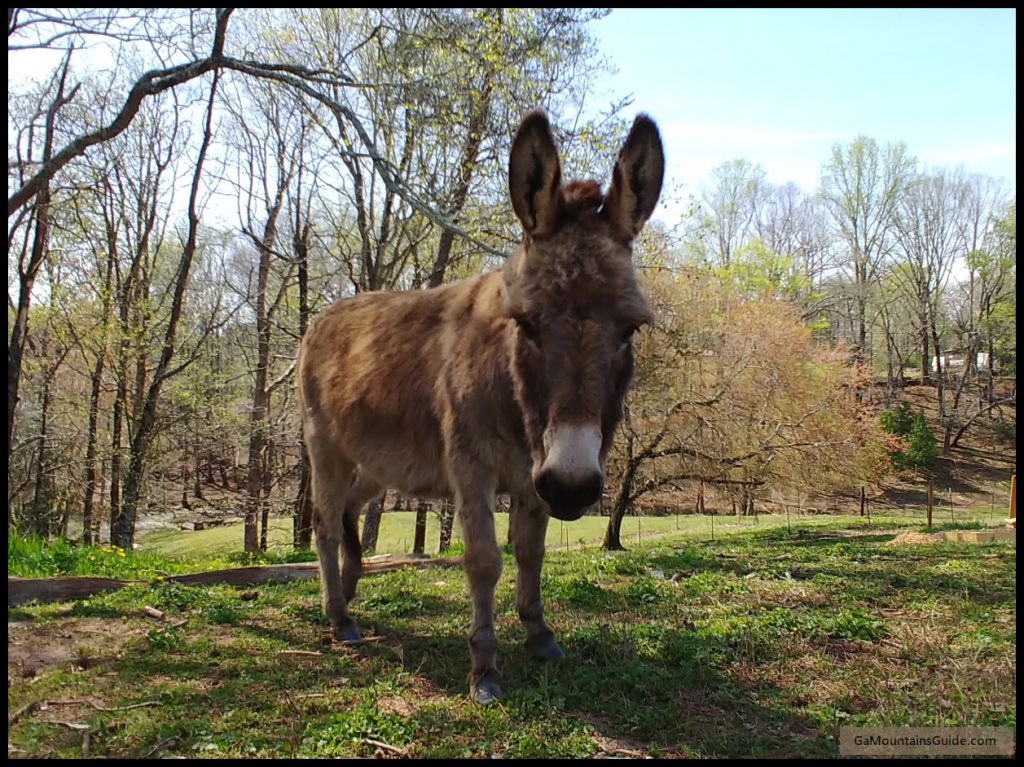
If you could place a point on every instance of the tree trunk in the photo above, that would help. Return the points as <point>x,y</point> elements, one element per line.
<point>371,526</point>
<point>40,247</point>
<point>612,537</point>
<point>990,379</point>
<point>420,538</point>
<point>260,394</point>
<point>184,490</point>
<point>116,429</point>
<point>940,382</point>
<point>925,360</point>
<point>961,384</point>
<point>302,514</point>
<point>257,456</point>
<point>19,332</point>
<point>197,466</point>
<point>42,498</point>
<point>265,493</point>
<point>447,523</point>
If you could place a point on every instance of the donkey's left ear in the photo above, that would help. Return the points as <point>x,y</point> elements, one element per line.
<point>636,180</point>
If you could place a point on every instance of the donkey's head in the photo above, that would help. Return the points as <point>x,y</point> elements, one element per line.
<point>573,297</point>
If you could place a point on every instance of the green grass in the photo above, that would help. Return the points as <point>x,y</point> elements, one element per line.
<point>759,643</point>
<point>397,532</point>
<point>33,557</point>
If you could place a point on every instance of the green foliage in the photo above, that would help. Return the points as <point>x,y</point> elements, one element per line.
<point>644,591</point>
<point>856,624</point>
<point>756,270</point>
<point>35,557</point>
<point>344,734</point>
<point>165,639</point>
<point>898,421</point>
<point>579,592</point>
<point>920,445</point>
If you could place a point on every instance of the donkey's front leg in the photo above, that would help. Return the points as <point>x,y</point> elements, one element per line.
<point>482,563</point>
<point>529,523</point>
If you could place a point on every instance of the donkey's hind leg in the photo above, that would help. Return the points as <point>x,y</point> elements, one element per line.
<point>331,478</point>
<point>528,523</point>
<point>363,490</point>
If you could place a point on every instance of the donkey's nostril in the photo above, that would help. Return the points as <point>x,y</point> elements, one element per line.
<point>590,491</point>
<point>548,487</point>
<point>568,496</point>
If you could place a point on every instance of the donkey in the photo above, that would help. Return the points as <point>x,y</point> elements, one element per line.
<point>509,382</point>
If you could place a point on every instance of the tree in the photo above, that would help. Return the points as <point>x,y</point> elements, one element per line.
<point>730,209</point>
<point>861,187</point>
<point>31,259</point>
<point>122,531</point>
<point>730,392</point>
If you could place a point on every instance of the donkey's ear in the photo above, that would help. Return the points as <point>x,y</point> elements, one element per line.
<point>636,180</point>
<point>535,176</point>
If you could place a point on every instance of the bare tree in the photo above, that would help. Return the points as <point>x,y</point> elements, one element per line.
<point>123,525</point>
<point>930,236</point>
<point>861,187</point>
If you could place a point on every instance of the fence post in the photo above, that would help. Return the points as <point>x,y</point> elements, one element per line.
<point>931,490</point>
<point>863,500</point>
<point>1013,499</point>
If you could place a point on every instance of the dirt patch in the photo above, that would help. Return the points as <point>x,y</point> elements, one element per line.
<point>84,642</point>
<point>911,538</point>
<point>392,704</point>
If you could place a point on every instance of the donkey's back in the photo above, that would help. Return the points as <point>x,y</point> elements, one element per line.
<point>378,373</point>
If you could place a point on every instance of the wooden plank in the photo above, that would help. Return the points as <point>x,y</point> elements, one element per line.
<point>980,536</point>
<point>22,590</point>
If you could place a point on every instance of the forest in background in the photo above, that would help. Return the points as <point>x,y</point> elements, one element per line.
<point>188,189</point>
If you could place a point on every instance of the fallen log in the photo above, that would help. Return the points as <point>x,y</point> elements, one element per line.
<point>22,590</point>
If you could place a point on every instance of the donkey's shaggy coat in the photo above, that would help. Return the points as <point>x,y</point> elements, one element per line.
<point>510,382</point>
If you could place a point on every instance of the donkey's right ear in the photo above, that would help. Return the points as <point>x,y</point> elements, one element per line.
<point>535,176</point>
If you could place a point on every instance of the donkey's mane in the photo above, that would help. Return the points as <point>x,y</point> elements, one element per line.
<point>578,196</point>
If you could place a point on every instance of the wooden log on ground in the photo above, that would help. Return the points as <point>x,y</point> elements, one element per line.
<point>22,590</point>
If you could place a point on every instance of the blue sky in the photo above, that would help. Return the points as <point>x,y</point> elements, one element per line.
<point>780,87</point>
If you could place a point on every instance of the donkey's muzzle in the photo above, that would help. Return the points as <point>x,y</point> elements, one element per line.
<point>568,501</point>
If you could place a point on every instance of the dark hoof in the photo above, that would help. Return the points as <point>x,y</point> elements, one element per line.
<point>486,690</point>
<point>348,632</point>
<point>545,649</point>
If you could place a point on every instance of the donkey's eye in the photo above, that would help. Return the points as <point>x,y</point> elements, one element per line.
<point>627,338</point>
<point>529,330</point>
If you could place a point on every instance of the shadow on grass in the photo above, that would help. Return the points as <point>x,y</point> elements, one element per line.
<point>867,570</point>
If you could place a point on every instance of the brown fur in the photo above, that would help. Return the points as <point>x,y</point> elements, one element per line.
<point>451,391</point>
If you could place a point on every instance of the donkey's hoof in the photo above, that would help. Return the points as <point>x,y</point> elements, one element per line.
<point>347,632</point>
<point>486,689</point>
<point>545,649</point>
